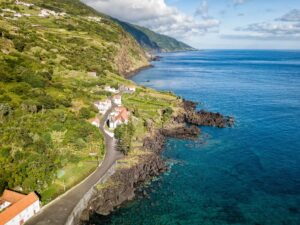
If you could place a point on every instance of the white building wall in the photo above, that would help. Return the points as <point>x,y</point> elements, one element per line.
<point>4,205</point>
<point>25,215</point>
<point>118,101</point>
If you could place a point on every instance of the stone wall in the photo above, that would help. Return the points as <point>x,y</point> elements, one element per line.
<point>74,217</point>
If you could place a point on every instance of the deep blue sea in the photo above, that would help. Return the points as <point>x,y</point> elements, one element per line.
<point>248,174</point>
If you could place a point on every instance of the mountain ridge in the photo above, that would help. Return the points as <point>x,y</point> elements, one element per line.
<point>152,41</point>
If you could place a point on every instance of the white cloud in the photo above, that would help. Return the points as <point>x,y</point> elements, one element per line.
<point>285,28</point>
<point>272,30</point>
<point>238,2</point>
<point>156,15</point>
<point>291,16</point>
<point>203,10</point>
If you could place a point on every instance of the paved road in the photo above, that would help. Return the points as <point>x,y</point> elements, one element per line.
<point>57,212</point>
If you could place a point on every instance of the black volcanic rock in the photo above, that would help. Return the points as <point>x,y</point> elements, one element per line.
<point>182,132</point>
<point>204,118</point>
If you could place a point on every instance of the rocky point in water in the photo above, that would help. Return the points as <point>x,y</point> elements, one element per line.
<point>183,126</point>
<point>204,118</point>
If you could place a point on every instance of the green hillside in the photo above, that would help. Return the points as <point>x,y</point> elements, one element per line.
<point>154,42</point>
<point>47,93</point>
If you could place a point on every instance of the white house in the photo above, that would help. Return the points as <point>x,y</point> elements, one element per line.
<point>8,10</point>
<point>95,122</point>
<point>127,89</point>
<point>103,106</point>
<point>24,3</point>
<point>17,208</point>
<point>110,89</point>
<point>17,15</point>
<point>94,18</point>
<point>118,117</point>
<point>92,74</point>
<point>117,99</point>
<point>47,13</point>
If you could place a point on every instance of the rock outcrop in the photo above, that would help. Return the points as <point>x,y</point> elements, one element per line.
<point>204,118</point>
<point>126,179</point>
<point>182,132</point>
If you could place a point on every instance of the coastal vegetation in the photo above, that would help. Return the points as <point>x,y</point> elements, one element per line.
<point>47,96</point>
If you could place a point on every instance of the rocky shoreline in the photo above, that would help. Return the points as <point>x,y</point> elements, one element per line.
<point>126,180</point>
<point>136,71</point>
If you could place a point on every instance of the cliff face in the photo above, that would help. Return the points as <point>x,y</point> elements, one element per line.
<point>152,41</point>
<point>122,184</point>
<point>130,57</point>
<point>127,180</point>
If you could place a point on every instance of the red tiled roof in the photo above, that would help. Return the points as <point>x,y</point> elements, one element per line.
<point>11,196</point>
<point>117,97</point>
<point>123,115</point>
<point>19,203</point>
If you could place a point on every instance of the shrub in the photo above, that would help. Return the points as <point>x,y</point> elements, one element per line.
<point>85,113</point>
<point>46,102</point>
<point>21,88</point>
<point>124,134</point>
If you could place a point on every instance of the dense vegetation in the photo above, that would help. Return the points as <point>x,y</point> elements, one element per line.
<point>47,96</point>
<point>152,41</point>
<point>124,134</point>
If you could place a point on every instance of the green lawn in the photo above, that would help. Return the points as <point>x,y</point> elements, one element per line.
<point>67,177</point>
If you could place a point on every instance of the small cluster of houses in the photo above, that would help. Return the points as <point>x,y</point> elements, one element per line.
<point>94,18</point>
<point>120,114</point>
<point>111,89</point>
<point>23,3</point>
<point>43,12</point>
<point>115,118</point>
<point>14,13</point>
<point>103,106</point>
<point>47,13</point>
<point>122,88</point>
<point>16,208</point>
<point>127,89</point>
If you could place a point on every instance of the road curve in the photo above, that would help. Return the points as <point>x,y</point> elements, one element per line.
<point>58,211</point>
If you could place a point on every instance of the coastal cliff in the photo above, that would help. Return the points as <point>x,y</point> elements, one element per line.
<point>51,75</point>
<point>122,185</point>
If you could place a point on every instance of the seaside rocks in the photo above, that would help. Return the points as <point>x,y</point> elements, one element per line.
<point>182,132</point>
<point>156,58</point>
<point>204,118</point>
<point>189,105</point>
<point>154,143</point>
<point>126,180</point>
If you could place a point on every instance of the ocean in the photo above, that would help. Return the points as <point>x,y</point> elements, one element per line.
<point>248,174</point>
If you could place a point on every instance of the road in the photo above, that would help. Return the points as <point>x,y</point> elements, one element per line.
<point>58,211</point>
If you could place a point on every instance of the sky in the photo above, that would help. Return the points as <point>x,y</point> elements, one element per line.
<point>214,24</point>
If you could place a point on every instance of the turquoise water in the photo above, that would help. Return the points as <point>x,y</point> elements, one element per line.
<point>249,174</point>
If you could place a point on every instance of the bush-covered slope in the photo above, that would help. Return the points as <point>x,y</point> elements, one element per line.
<point>47,94</point>
<point>152,41</point>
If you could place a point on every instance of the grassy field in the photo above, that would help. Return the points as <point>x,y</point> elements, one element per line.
<point>47,95</point>
<point>67,177</point>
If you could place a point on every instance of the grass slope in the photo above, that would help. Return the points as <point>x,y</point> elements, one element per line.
<point>47,94</point>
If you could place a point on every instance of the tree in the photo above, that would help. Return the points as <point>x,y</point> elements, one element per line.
<point>85,113</point>
<point>166,114</point>
<point>124,134</point>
